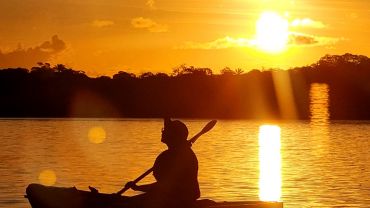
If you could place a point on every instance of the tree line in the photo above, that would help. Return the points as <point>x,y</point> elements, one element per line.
<point>188,92</point>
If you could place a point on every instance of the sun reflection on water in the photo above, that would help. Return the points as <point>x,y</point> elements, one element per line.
<point>270,163</point>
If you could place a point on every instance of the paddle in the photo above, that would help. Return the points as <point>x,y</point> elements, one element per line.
<point>205,129</point>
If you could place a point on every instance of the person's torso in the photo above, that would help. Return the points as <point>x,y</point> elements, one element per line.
<point>176,172</point>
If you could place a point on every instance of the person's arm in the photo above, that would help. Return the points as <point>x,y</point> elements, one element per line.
<point>143,188</point>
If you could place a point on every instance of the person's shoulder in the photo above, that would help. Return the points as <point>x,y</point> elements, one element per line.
<point>163,154</point>
<point>167,151</point>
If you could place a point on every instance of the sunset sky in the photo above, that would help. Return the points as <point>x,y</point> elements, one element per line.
<point>103,37</point>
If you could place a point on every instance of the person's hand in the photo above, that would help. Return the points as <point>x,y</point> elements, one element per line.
<point>131,185</point>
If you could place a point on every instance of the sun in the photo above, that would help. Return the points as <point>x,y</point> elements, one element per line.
<point>272,32</point>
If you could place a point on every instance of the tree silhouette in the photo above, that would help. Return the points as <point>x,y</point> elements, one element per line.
<point>59,91</point>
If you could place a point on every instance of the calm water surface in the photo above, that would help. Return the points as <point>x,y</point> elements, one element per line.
<point>321,165</point>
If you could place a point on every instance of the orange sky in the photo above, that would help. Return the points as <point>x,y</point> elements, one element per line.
<point>102,37</point>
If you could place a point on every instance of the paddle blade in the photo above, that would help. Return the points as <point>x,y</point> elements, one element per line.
<point>209,126</point>
<point>205,129</point>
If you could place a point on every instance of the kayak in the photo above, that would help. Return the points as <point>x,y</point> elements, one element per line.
<point>40,196</point>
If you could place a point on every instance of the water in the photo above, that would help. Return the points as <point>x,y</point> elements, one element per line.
<point>323,165</point>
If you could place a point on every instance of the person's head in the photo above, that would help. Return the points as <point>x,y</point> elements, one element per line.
<point>174,133</point>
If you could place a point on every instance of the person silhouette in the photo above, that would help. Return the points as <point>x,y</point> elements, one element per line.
<point>175,171</point>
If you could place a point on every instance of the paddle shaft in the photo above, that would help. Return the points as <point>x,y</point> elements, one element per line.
<point>208,127</point>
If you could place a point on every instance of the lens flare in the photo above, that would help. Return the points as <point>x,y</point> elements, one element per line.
<point>319,104</point>
<point>97,135</point>
<point>47,177</point>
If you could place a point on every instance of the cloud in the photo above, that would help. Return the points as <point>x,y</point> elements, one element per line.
<point>151,4</point>
<point>150,25</point>
<point>29,57</point>
<point>102,23</point>
<point>300,39</point>
<point>307,22</point>
<point>221,43</point>
<point>294,39</point>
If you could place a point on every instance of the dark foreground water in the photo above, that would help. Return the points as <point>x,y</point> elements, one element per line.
<point>319,165</point>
